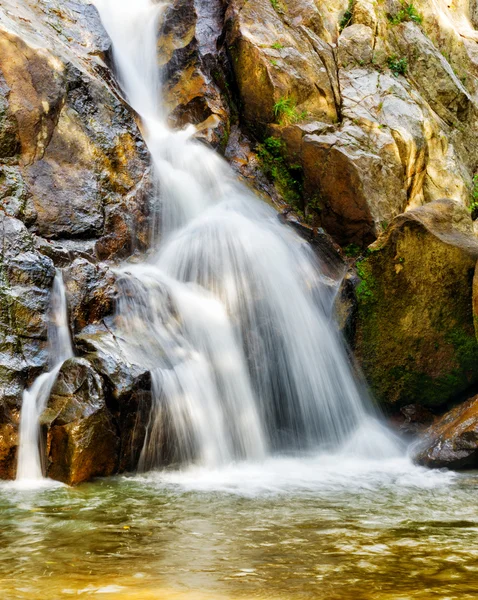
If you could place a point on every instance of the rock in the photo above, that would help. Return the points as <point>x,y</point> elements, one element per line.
<point>79,151</point>
<point>415,419</point>
<point>8,443</point>
<point>193,68</point>
<point>345,306</point>
<point>90,290</point>
<point>26,278</point>
<point>128,386</point>
<point>356,45</point>
<point>285,60</point>
<point>357,180</point>
<point>452,441</point>
<point>415,338</point>
<point>82,440</point>
<point>435,78</point>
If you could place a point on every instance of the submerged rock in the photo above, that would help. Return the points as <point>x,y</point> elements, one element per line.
<point>452,441</point>
<point>82,440</point>
<point>415,334</point>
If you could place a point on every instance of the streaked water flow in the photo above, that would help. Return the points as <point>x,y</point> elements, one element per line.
<point>29,467</point>
<point>231,311</point>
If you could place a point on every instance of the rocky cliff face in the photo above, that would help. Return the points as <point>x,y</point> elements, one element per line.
<point>355,119</point>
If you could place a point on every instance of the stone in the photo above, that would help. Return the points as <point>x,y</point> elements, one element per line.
<point>127,384</point>
<point>90,291</point>
<point>277,62</point>
<point>452,441</point>
<point>355,45</point>
<point>25,284</point>
<point>357,179</point>
<point>82,440</point>
<point>415,337</point>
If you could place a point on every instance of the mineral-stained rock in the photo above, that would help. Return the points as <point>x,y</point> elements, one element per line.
<point>415,336</point>
<point>193,68</point>
<point>8,442</point>
<point>452,441</point>
<point>357,179</point>
<point>128,386</point>
<point>79,152</point>
<point>90,290</point>
<point>25,282</point>
<point>283,60</point>
<point>82,440</point>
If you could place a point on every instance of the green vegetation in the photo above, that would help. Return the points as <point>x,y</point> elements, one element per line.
<point>397,65</point>
<point>277,6</point>
<point>352,250</point>
<point>347,18</point>
<point>474,198</point>
<point>285,112</point>
<point>366,285</point>
<point>277,46</point>
<point>287,178</point>
<point>407,13</point>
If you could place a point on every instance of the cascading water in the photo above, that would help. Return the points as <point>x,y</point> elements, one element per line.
<point>231,312</point>
<point>29,467</point>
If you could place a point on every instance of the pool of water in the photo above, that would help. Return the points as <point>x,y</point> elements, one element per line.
<point>287,529</point>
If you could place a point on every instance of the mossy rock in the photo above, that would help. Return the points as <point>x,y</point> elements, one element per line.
<point>415,335</point>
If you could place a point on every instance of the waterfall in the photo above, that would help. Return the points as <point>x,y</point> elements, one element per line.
<point>231,311</point>
<point>29,467</point>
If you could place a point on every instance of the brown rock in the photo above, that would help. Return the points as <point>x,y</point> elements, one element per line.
<point>82,441</point>
<point>452,441</point>
<point>415,336</point>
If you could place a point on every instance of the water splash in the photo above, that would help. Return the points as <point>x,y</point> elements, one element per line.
<point>231,313</point>
<point>29,466</point>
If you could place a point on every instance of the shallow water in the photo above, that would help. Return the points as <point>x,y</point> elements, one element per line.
<point>322,527</point>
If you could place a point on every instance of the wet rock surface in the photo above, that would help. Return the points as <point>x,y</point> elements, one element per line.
<point>376,121</point>
<point>452,441</point>
<point>82,440</point>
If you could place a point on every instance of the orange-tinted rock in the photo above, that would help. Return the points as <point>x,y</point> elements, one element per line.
<point>452,441</point>
<point>82,441</point>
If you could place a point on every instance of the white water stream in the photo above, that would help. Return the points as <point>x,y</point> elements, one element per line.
<point>29,466</point>
<point>231,312</point>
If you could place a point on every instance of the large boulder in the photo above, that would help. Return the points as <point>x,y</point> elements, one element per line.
<point>452,441</point>
<point>25,283</point>
<point>194,73</point>
<point>82,440</point>
<point>415,335</point>
<point>283,61</point>
<point>127,386</point>
<point>76,160</point>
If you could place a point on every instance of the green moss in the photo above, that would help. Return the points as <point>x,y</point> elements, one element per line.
<point>277,46</point>
<point>367,286</point>
<point>407,13</point>
<point>287,178</point>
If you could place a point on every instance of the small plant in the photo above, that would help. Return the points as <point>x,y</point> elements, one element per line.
<point>287,178</point>
<point>397,65</point>
<point>286,113</point>
<point>273,62</point>
<point>277,46</point>
<point>347,18</point>
<point>407,13</point>
<point>474,198</point>
<point>352,250</point>
<point>277,6</point>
